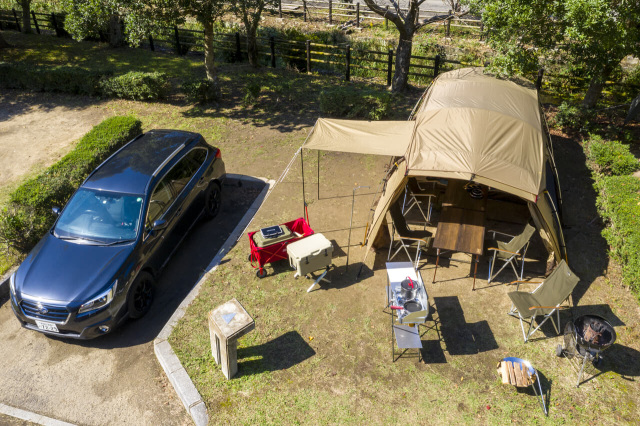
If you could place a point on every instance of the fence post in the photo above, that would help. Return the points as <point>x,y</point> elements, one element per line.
<point>35,21</point>
<point>177,36</point>
<point>436,66</point>
<point>238,51</point>
<point>357,15</point>
<point>280,9</point>
<point>481,30</point>
<point>1,28</point>
<point>389,66</point>
<point>347,75</point>
<point>330,12</point>
<point>447,28</point>
<point>54,22</point>
<point>539,79</point>
<point>151,46</point>
<point>15,15</point>
<point>272,47</point>
<point>304,9</point>
<point>308,47</point>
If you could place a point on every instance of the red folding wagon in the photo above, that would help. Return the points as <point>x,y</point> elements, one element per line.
<point>268,250</point>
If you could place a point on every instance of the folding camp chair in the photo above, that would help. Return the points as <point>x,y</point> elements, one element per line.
<point>406,237</point>
<point>511,253</point>
<point>413,197</point>
<point>545,300</point>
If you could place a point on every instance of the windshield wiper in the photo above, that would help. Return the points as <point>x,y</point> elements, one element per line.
<point>120,242</point>
<point>81,239</point>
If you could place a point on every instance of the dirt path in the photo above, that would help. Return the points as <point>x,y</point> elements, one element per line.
<point>38,129</point>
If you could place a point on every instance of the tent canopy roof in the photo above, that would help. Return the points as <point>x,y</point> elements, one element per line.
<point>362,137</point>
<point>473,126</point>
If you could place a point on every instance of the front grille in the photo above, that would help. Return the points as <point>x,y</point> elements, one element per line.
<point>44,311</point>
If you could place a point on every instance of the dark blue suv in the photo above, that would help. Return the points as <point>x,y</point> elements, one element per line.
<point>98,263</point>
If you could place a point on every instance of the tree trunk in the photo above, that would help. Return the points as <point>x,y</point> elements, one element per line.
<point>595,88</point>
<point>403,60</point>
<point>3,42</point>
<point>26,16</point>
<point>116,31</point>
<point>252,45</point>
<point>209,63</point>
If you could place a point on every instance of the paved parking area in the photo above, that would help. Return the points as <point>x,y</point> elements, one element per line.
<point>115,379</point>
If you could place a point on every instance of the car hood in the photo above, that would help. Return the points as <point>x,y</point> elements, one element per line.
<point>65,271</point>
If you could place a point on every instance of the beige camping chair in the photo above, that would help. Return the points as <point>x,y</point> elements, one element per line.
<point>404,238</point>
<point>545,300</point>
<point>511,252</point>
<point>415,195</point>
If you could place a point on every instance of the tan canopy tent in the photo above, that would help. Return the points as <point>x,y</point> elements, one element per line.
<point>467,126</point>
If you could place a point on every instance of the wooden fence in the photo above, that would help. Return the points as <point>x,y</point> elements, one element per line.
<point>339,12</point>
<point>340,59</point>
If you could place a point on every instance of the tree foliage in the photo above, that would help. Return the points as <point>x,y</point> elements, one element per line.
<point>591,35</point>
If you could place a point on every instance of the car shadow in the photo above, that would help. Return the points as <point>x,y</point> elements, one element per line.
<point>183,271</point>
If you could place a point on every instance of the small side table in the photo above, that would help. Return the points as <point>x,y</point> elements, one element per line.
<point>227,323</point>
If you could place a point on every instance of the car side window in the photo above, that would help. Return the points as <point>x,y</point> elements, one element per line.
<point>160,201</point>
<point>181,173</point>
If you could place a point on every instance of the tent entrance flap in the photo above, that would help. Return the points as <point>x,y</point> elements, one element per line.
<point>361,137</point>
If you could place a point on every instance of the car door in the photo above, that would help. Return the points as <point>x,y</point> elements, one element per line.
<point>160,204</point>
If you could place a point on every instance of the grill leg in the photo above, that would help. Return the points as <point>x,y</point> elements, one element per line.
<point>584,361</point>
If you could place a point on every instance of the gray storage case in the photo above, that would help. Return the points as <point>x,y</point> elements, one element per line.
<point>310,254</point>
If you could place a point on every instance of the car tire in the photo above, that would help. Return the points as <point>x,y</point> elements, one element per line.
<point>212,201</point>
<point>140,295</point>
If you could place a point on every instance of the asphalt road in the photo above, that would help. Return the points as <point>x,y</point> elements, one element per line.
<point>115,379</point>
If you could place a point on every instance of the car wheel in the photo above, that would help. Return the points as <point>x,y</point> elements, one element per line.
<point>212,201</point>
<point>141,295</point>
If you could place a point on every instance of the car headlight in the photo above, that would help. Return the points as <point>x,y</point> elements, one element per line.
<point>12,285</point>
<point>101,301</point>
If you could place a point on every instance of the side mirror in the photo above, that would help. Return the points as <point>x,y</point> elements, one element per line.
<point>158,225</point>
<point>56,210</point>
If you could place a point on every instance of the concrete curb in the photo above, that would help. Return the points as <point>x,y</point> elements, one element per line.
<point>167,358</point>
<point>31,417</point>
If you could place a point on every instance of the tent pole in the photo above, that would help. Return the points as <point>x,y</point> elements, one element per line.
<point>304,201</point>
<point>318,175</point>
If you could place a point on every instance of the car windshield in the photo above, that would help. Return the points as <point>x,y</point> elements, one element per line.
<point>100,217</point>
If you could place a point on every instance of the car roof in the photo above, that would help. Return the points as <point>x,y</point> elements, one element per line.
<point>132,167</point>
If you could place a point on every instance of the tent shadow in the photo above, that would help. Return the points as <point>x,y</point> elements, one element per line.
<point>460,337</point>
<point>281,353</point>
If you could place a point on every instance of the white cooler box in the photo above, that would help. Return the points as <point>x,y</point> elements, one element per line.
<point>310,254</point>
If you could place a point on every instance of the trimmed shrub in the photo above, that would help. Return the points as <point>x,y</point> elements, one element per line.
<point>571,117</point>
<point>42,78</point>
<point>202,91</point>
<point>138,86</point>
<point>619,205</point>
<point>610,157</point>
<point>28,215</point>
<point>350,102</point>
<point>252,91</point>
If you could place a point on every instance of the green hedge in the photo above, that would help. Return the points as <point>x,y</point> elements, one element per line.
<point>28,215</point>
<point>201,91</point>
<point>610,157</point>
<point>352,102</point>
<point>619,205</point>
<point>42,78</point>
<point>138,86</point>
